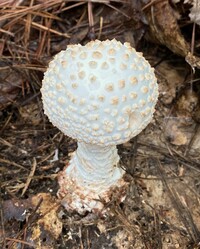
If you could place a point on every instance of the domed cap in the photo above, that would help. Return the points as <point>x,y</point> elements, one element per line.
<point>101,93</point>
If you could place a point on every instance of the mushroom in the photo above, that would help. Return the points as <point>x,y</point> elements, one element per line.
<point>101,94</point>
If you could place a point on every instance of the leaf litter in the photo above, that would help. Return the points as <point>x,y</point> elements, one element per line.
<point>162,164</point>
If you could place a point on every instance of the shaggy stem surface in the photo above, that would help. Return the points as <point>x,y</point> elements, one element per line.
<point>92,175</point>
<point>95,167</point>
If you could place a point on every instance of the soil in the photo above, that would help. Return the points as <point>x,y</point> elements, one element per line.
<point>162,164</point>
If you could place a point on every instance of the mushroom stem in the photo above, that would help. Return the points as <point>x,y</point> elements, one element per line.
<point>92,175</point>
<point>95,167</point>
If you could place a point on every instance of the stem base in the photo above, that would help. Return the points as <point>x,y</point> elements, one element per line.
<point>92,175</point>
<point>80,199</point>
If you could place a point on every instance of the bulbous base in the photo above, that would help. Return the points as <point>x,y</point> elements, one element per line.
<point>81,200</point>
<point>91,179</point>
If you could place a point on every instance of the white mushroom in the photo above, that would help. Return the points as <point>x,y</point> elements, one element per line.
<point>101,94</point>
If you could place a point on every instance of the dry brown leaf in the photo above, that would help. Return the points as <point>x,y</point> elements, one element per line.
<point>49,221</point>
<point>163,28</point>
<point>170,78</point>
<point>181,127</point>
<point>174,134</point>
<point>15,209</point>
<point>44,229</point>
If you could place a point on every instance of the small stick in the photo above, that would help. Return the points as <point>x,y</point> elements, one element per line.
<point>32,172</point>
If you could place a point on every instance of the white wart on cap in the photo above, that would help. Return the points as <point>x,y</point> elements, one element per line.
<point>103,93</point>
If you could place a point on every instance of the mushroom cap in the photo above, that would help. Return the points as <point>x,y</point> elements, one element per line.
<point>102,93</point>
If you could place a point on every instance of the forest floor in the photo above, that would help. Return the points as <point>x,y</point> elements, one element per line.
<point>162,164</point>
